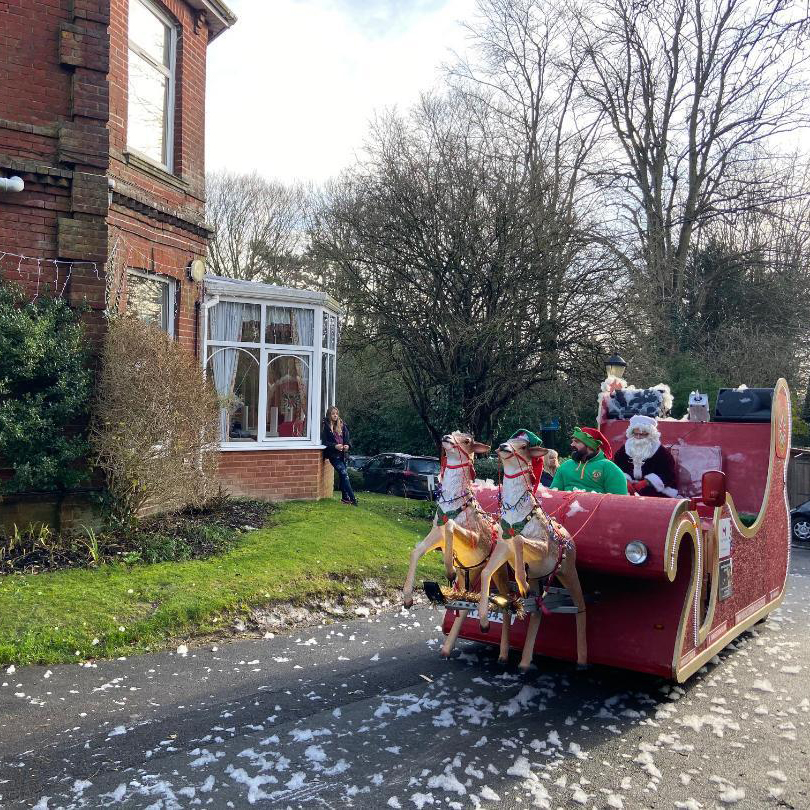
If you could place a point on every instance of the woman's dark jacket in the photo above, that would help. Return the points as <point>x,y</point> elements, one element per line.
<point>328,438</point>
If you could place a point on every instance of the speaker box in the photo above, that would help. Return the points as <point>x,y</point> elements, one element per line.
<point>748,405</point>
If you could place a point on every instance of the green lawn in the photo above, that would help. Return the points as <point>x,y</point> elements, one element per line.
<point>48,618</point>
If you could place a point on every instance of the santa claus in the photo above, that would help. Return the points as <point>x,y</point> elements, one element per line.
<point>648,466</point>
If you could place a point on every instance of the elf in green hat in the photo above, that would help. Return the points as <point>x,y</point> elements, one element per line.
<point>590,467</point>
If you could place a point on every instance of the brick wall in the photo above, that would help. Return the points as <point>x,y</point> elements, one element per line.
<point>276,475</point>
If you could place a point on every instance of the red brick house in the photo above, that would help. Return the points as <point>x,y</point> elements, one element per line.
<point>102,118</point>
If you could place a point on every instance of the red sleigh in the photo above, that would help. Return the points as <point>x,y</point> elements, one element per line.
<point>716,558</point>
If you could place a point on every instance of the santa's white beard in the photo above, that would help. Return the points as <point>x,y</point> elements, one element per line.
<point>639,450</point>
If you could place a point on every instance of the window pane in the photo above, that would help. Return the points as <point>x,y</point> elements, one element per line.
<point>290,326</point>
<point>235,373</point>
<point>332,378</point>
<point>325,393</point>
<point>424,466</point>
<point>325,322</point>
<point>148,298</point>
<point>234,322</point>
<point>149,32</point>
<point>146,112</point>
<point>287,395</point>
<point>333,332</point>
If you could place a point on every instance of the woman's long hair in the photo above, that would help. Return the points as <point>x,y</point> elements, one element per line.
<point>335,427</point>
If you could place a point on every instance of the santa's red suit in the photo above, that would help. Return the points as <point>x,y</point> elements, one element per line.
<point>648,466</point>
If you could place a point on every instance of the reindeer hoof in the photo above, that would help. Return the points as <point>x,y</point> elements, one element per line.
<point>407,603</point>
<point>503,661</point>
<point>525,670</point>
<point>484,626</point>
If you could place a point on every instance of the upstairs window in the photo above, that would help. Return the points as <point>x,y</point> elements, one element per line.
<point>150,118</point>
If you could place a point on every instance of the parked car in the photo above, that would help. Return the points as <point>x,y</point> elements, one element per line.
<point>358,462</point>
<point>402,474</point>
<point>800,523</point>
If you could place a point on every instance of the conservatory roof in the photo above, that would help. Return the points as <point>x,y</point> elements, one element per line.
<point>256,290</point>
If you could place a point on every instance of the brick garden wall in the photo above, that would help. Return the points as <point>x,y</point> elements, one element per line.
<point>276,474</point>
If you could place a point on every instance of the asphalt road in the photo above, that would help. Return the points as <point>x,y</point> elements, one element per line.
<point>366,715</point>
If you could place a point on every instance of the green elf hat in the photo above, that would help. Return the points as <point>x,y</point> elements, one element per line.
<point>533,439</point>
<point>594,439</point>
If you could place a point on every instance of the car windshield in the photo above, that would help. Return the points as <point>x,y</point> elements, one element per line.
<point>424,466</point>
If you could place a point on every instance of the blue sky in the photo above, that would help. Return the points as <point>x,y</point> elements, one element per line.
<point>293,85</point>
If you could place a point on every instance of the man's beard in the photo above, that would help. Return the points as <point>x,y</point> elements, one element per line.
<point>580,455</point>
<point>639,450</point>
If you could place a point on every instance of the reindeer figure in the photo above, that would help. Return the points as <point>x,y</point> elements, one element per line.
<point>462,530</point>
<point>529,535</point>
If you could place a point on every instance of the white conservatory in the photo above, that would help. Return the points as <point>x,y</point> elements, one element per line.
<point>271,352</point>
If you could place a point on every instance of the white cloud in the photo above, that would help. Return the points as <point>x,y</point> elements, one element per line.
<point>293,85</point>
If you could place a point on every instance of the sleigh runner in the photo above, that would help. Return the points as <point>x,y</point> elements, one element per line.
<point>671,581</point>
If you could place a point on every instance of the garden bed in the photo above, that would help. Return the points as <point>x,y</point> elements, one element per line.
<point>185,535</point>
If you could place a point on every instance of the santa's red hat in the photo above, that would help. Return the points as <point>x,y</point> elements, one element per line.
<point>593,438</point>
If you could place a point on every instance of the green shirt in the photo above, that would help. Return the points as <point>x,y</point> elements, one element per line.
<point>597,474</point>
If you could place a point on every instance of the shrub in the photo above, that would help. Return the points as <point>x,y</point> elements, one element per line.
<point>45,387</point>
<point>155,428</point>
<point>486,468</point>
<point>355,479</point>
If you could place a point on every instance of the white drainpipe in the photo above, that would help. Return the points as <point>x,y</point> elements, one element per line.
<point>11,183</point>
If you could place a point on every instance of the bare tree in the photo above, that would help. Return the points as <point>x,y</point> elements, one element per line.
<point>455,259</point>
<point>259,228</point>
<point>695,94</point>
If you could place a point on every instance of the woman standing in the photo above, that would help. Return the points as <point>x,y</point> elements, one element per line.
<point>335,436</point>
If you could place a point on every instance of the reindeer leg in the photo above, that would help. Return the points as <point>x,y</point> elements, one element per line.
<point>528,645</point>
<point>570,580</point>
<point>433,540</point>
<point>452,636</point>
<point>502,584</point>
<point>449,568</point>
<point>499,557</point>
<point>520,566</point>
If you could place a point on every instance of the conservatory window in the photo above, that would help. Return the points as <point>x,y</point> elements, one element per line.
<point>287,394</point>
<point>264,362</point>
<point>235,374</point>
<point>328,360</point>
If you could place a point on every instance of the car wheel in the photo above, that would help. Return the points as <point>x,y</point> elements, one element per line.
<point>801,530</point>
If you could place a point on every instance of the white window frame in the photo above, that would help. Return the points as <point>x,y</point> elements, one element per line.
<point>313,353</point>
<point>170,73</point>
<point>171,297</point>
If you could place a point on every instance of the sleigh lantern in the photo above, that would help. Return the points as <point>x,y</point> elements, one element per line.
<point>671,581</point>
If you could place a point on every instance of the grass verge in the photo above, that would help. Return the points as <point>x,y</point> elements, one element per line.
<point>305,550</point>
